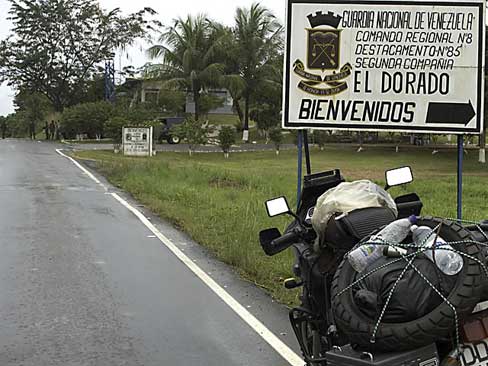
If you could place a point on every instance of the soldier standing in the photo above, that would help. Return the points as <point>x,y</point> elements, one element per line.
<point>46,130</point>
<point>32,130</point>
<point>52,130</point>
<point>3,126</point>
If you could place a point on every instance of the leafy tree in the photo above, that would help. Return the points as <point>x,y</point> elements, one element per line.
<point>193,131</point>
<point>113,128</point>
<point>18,124</point>
<point>228,52</point>
<point>210,102</point>
<point>259,40</point>
<point>267,101</point>
<point>93,90</point>
<point>138,113</point>
<point>227,138</point>
<point>89,118</point>
<point>172,101</point>
<point>189,61</point>
<point>57,45</point>
<point>32,109</point>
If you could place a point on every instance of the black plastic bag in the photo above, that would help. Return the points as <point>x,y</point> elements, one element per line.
<point>412,298</point>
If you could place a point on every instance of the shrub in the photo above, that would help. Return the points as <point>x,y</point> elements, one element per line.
<point>193,131</point>
<point>276,136</point>
<point>320,138</point>
<point>227,137</point>
<point>113,128</point>
<point>86,118</point>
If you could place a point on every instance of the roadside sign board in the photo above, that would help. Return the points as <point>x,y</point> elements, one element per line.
<point>137,141</point>
<point>405,66</point>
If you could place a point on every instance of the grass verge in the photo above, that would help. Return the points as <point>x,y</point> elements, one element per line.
<point>219,202</point>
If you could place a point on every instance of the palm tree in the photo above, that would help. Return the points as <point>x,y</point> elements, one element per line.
<point>229,53</point>
<point>189,50</point>
<point>258,37</point>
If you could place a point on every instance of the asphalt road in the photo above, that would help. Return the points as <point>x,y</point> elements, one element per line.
<point>84,282</point>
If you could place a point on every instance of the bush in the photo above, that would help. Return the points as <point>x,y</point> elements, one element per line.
<point>86,118</point>
<point>193,131</point>
<point>320,138</point>
<point>137,114</point>
<point>113,128</point>
<point>238,126</point>
<point>276,136</point>
<point>266,117</point>
<point>227,137</point>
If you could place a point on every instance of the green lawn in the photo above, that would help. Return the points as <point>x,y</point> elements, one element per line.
<point>219,202</point>
<point>223,119</point>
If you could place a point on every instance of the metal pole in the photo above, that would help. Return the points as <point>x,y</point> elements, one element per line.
<point>300,162</point>
<point>482,153</point>
<point>460,177</point>
<point>307,152</point>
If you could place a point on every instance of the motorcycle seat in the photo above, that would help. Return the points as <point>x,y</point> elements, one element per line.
<point>344,231</point>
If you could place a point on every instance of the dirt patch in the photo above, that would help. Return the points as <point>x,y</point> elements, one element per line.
<point>226,182</point>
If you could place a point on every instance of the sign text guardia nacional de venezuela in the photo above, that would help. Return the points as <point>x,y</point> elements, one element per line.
<point>385,65</point>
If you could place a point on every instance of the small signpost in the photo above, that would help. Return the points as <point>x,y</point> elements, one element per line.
<point>137,141</point>
<point>395,66</point>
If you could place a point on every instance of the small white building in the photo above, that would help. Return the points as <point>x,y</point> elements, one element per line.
<point>148,91</point>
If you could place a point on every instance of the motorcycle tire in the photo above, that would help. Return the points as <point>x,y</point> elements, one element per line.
<point>435,326</point>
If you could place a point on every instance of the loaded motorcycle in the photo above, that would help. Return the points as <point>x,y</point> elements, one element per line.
<point>333,327</point>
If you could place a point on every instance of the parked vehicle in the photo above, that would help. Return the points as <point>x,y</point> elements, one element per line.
<point>334,328</point>
<point>166,134</point>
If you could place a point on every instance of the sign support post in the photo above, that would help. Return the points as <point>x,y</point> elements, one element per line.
<point>460,146</point>
<point>307,152</point>
<point>385,66</point>
<point>300,163</point>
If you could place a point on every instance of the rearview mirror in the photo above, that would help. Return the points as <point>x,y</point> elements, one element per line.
<point>399,176</point>
<point>277,206</point>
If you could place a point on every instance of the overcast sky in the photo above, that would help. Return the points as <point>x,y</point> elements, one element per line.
<point>220,10</point>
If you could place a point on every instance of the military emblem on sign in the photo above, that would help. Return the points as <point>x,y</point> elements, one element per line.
<point>323,53</point>
<point>323,49</point>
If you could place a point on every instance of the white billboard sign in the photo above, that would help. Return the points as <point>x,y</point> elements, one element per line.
<point>137,141</point>
<point>412,66</point>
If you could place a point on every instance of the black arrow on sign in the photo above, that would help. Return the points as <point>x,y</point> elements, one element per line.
<point>454,113</point>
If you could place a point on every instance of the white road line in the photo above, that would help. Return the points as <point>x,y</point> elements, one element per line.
<point>279,346</point>
<point>250,319</point>
<point>86,171</point>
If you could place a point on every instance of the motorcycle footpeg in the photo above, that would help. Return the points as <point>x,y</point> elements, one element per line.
<point>292,283</point>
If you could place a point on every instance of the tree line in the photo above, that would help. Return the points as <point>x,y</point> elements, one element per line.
<point>55,53</point>
<point>56,50</point>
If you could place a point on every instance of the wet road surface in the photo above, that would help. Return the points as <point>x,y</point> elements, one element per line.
<point>83,282</point>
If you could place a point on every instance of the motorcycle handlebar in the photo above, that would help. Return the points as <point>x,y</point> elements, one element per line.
<point>283,242</point>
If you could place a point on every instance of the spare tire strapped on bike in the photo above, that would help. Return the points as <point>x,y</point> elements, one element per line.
<point>350,197</point>
<point>411,298</point>
<point>407,318</point>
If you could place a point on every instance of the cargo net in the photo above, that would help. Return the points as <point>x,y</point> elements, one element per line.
<point>410,258</point>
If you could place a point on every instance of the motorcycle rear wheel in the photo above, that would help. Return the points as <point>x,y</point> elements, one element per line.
<point>435,326</point>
